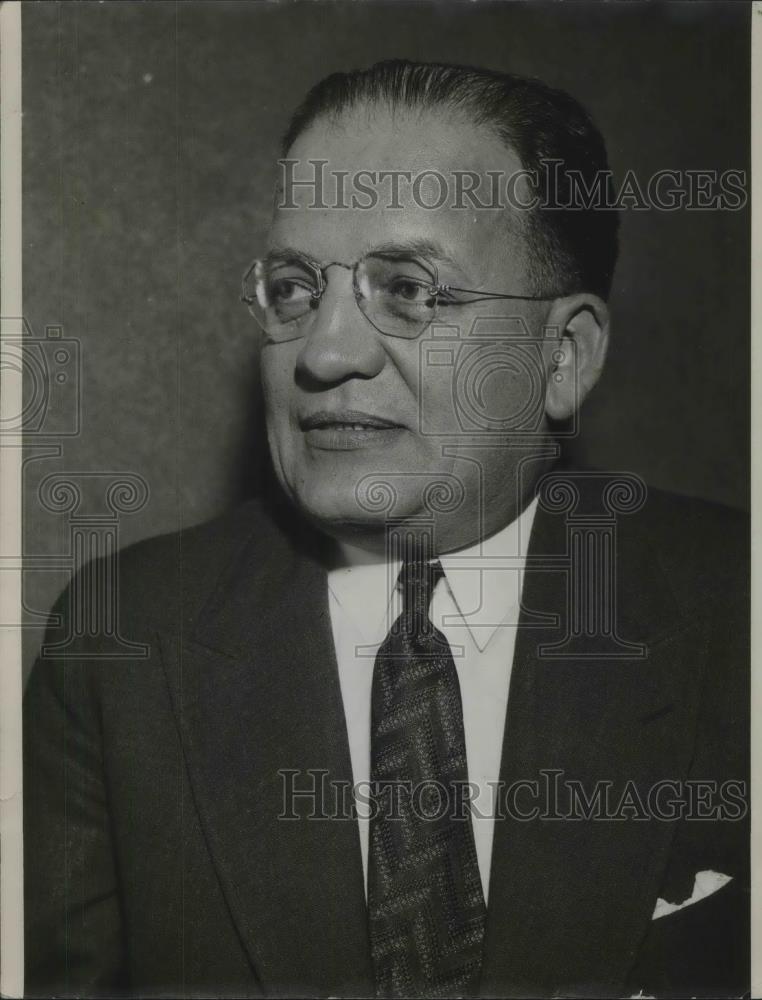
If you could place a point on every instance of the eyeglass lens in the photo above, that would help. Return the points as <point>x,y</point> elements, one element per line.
<point>396,294</point>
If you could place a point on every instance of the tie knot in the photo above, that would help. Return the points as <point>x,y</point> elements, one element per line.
<point>417,581</point>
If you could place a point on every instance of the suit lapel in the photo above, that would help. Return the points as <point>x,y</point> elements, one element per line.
<point>256,691</point>
<point>570,900</point>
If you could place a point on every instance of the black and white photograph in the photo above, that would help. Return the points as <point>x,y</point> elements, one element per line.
<point>383,457</point>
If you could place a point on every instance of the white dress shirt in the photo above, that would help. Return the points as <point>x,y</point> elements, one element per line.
<point>476,605</point>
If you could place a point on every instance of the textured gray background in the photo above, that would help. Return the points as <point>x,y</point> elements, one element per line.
<point>150,132</point>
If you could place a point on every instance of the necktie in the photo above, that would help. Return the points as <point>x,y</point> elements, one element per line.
<point>425,903</point>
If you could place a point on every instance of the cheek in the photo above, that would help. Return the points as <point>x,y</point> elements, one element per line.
<point>482,389</point>
<point>277,368</point>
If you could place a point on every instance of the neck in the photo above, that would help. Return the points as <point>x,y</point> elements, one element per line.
<point>437,533</point>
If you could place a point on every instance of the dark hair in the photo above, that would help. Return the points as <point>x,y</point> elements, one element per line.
<point>576,246</point>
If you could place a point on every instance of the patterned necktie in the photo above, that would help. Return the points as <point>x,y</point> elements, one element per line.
<point>425,903</point>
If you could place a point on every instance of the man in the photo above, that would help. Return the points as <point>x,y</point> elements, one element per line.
<point>429,607</point>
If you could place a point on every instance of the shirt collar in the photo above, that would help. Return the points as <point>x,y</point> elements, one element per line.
<point>364,591</point>
<point>484,580</point>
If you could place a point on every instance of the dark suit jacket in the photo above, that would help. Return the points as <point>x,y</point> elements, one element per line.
<point>155,861</point>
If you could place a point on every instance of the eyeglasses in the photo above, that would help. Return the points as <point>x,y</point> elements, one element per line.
<point>399,294</point>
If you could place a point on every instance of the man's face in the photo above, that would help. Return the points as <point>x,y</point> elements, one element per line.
<point>346,402</point>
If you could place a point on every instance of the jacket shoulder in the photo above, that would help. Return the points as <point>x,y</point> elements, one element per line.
<point>171,575</point>
<point>703,548</point>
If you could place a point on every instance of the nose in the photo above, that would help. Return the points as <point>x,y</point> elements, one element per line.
<point>340,344</point>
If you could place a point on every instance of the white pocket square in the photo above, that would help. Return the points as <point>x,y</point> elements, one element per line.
<point>706,883</point>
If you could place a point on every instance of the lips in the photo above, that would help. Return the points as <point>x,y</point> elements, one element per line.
<point>345,418</point>
<point>347,430</point>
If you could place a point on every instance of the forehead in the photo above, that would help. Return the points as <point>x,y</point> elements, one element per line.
<point>366,155</point>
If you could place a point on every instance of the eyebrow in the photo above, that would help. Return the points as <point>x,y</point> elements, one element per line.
<point>279,252</point>
<point>421,247</point>
<point>433,251</point>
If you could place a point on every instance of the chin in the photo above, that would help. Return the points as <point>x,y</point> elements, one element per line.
<point>345,525</point>
<point>339,512</point>
<point>332,506</point>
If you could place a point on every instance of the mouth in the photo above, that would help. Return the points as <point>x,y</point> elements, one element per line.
<point>347,430</point>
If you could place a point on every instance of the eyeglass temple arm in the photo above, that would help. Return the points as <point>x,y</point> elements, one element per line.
<point>482,296</point>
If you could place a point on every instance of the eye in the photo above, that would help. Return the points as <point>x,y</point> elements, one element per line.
<point>285,290</point>
<point>409,289</point>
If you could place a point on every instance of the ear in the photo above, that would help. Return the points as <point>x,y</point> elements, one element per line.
<point>577,354</point>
